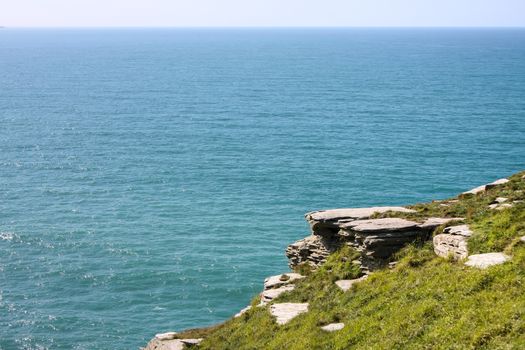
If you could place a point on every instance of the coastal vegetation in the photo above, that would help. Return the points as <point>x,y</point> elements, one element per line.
<point>417,301</point>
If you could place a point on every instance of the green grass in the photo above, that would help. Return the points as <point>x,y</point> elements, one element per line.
<point>425,302</point>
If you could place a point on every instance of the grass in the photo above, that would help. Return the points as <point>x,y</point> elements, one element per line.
<point>425,302</point>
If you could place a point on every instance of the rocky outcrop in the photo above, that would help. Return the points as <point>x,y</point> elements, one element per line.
<point>376,239</point>
<point>312,250</point>
<point>453,242</point>
<point>285,312</point>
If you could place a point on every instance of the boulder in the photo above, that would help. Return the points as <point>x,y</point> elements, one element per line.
<point>285,312</point>
<point>345,285</point>
<point>483,261</point>
<point>332,327</point>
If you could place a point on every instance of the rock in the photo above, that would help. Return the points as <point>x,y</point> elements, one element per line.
<point>483,261</point>
<point>460,230</point>
<point>279,281</point>
<point>166,336</point>
<point>493,206</point>
<point>332,327</point>
<point>496,183</point>
<point>504,206</point>
<point>243,311</point>
<point>156,344</point>
<point>312,250</point>
<point>475,190</point>
<point>483,188</point>
<point>325,222</point>
<point>433,223</point>
<point>285,312</point>
<point>171,344</point>
<point>345,285</point>
<point>448,244</point>
<point>381,238</point>
<point>191,342</point>
<point>500,200</point>
<point>522,238</point>
<point>270,294</point>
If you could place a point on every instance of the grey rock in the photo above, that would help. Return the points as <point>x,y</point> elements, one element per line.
<point>270,294</point>
<point>380,225</point>
<point>326,222</point>
<point>483,188</point>
<point>281,280</point>
<point>332,327</point>
<point>432,223</point>
<point>460,230</point>
<point>285,312</point>
<point>172,344</point>
<point>312,250</point>
<point>504,206</point>
<point>500,200</point>
<point>483,261</point>
<point>346,285</point>
<point>451,245</point>
<point>191,342</point>
<point>166,336</point>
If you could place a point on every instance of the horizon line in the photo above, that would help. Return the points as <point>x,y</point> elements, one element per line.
<point>264,27</point>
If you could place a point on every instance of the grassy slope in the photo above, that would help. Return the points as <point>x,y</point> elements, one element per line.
<point>426,302</point>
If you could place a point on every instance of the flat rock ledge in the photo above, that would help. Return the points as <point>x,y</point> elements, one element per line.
<point>270,294</point>
<point>346,285</point>
<point>281,280</point>
<point>452,242</point>
<point>483,188</point>
<point>165,341</point>
<point>483,261</point>
<point>285,312</point>
<point>333,327</point>
<point>376,239</point>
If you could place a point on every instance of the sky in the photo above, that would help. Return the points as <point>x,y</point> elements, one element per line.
<point>262,13</point>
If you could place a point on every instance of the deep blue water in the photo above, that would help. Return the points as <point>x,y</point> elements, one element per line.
<point>150,179</point>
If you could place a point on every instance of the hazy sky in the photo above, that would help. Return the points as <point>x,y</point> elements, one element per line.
<point>81,13</point>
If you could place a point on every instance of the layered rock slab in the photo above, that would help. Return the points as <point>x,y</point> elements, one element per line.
<point>380,238</point>
<point>452,242</point>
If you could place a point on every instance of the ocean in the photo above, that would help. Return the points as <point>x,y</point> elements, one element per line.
<point>152,178</point>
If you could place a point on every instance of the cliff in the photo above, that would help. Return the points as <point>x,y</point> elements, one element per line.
<point>449,274</point>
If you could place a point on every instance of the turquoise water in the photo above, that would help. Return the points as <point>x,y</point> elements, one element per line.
<point>150,179</point>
